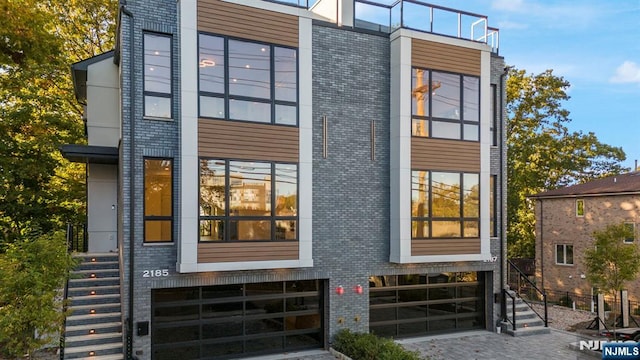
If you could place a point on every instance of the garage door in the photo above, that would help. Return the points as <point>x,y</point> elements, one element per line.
<point>230,321</point>
<point>418,304</point>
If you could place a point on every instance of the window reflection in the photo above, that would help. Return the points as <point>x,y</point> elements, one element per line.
<point>252,71</point>
<point>157,75</point>
<point>248,190</point>
<point>444,204</point>
<point>445,105</point>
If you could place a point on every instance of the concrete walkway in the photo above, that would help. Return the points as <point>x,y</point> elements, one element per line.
<point>478,345</point>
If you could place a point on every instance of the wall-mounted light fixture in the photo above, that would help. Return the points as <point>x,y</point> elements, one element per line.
<point>340,290</point>
<point>358,289</point>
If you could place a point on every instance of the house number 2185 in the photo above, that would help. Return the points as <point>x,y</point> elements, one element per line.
<point>155,273</point>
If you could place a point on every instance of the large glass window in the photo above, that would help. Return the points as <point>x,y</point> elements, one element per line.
<point>445,105</point>
<point>247,81</point>
<point>444,204</point>
<point>157,75</point>
<point>248,201</point>
<point>158,200</point>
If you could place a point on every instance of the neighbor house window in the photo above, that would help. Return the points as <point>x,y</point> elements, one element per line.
<point>248,201</point>
<point>158,200</point>
<point>444,204</point>
<point>445,105</point>
<point>247,81</point>
<point>631,228</point>
<point>564,254</point>
<point>580,208</point>
<point>157,76</point>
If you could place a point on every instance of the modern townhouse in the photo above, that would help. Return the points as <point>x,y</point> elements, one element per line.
<point>268,173</point>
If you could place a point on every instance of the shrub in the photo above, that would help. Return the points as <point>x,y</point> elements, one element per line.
<point>31,271</point>
<point>362,346</point>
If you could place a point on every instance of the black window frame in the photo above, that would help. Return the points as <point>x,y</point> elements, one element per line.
<point>227,218</point>
<point>430,119</point>
<point>227,97</point>
<point>493,129</point>
<point>146,93</point>
<point>158,217</point>
<point>493,201</point>
<point>429,218</point>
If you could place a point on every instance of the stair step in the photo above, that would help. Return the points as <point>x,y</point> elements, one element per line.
<point>76,320</point>
<point>73,283</point>
<point>92,339</point>
<point>98,309</point>
<point>99,328</point>
<point>94,299</point>
<point>98,265</point>
<point>100,290</point>
<point>97,273</point>
<point>103,357</point>
<point>76,352</point>
<point>536,330</point>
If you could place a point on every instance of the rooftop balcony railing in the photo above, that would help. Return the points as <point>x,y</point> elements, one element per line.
<point>421,16</point>
<point>389,15</point>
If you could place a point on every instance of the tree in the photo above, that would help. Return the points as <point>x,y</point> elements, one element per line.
<point>38,112</point>
<point>31,271</point>
<point>611,263</point>
<point>543,154</point>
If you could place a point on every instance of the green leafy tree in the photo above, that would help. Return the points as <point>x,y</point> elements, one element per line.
<point>543,154</point>
<point>38,112</point>
<point>32,270</point>
<point>612,263</point>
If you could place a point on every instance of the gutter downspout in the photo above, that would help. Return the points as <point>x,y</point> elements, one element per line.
<point>503,185</point>
<point>132,182</point>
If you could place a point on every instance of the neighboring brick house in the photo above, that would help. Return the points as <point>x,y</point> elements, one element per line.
<point>279,172</point>
<point>565,221</point>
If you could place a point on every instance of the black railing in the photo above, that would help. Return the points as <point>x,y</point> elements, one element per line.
<point>530,290</point>
<point>77,238</point>
<point>506,293</point>
<point>64,319</point>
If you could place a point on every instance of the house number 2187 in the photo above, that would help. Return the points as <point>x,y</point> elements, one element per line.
<point>155,273</point>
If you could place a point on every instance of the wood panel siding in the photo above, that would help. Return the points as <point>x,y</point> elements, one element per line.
<point>444,247</point>
<point>438,56</point>
<point>440,154</point>
<point>246,22</point>
<point>250,141</point>
<point>247,251</point>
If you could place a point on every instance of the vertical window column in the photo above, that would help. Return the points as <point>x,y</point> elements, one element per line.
<point>157,76</point>
<point>158,200</point>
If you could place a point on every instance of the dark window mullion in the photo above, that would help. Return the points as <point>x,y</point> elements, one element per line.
<point>430,117</point>
<point>225,49</point>
<point>273,190</point>
<point>272,85</point>
<point>461,87</point>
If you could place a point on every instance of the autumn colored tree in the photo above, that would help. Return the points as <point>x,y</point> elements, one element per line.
<point>38,112</point>
<point>543,154</point>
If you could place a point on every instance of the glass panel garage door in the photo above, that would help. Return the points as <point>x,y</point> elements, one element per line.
<point>230,321</point>
<point>413,305</point>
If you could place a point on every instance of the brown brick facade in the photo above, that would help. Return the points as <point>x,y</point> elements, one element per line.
<point>557,223</point>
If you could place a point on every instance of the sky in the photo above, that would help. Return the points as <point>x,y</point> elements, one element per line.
<point>595,45</point>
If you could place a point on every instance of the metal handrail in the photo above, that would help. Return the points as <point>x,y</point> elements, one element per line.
<point>64,319</point>
<point>77,237</point>
<point>505,293</point>
<point>522,275</point>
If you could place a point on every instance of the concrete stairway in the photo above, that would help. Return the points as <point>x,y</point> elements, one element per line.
<point>94,327</point>
<point>527,321</point>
